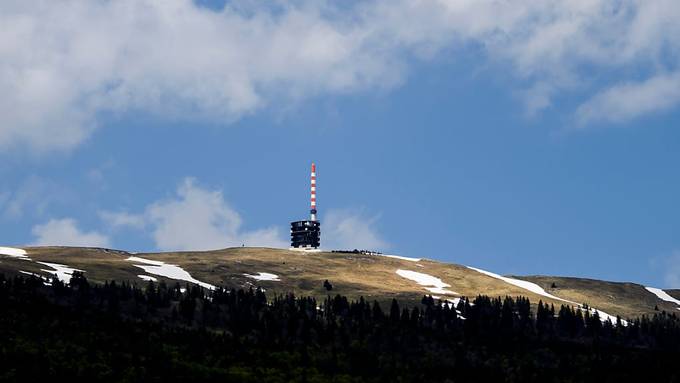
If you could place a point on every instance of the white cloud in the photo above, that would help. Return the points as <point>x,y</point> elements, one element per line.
<point>123,219</point>
<point>62,63</point>
<point>65,62</point>
<point>196,219</point>
<point>631,100</point>
<point>65,232</point>
<point>549,47</point>
<point>350,229</point>
<point>537,98</point>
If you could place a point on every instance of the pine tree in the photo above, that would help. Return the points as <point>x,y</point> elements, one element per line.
<point>394,311</point>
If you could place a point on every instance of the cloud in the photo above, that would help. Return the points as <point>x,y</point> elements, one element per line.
<point>123,219</point>
<point>196,219</point>
<point>65,232</point>
<point>64,63</point>
<point>350,229</point>
<point>631,100</point>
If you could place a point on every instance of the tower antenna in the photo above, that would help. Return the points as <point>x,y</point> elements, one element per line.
<point>312,212</point>
<point>307,234</point>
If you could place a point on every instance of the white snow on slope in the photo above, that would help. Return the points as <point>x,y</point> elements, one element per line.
<point>264,277</point>
<point>306,249</point>
<point>167,270</point>
<point>400,257</point>
<point>30,273</point>
<point>145,261</point>
<point>604,316</point>
<point>62,272</point>
<point>432,284</point>
<point>13,252</point>
<point>453,302</point>
<point>663,295</point>
<point>147,278</point>
<point>536,289</point>
<point>46,281</point>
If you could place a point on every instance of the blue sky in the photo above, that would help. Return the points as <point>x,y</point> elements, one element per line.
<point>542,141</point>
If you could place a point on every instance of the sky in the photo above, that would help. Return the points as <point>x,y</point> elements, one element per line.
<point>525,137</point>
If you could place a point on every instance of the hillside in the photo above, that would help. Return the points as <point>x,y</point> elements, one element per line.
<point>375,277</point>
<point>155,333</point>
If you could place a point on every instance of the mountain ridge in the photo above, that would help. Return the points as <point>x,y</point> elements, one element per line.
<point>303,273</point>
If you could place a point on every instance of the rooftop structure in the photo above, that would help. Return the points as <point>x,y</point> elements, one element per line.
<point>307,234</point>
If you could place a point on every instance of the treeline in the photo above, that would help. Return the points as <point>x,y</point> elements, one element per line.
<point>123,333</point>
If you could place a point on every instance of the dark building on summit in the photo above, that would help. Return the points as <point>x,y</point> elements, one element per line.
<point>307,234</point>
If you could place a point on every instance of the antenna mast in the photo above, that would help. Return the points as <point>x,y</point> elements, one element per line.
<point>313,194</point>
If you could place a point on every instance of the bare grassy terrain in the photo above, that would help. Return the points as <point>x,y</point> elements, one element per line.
<point>675,293</point>
<point>353,275</point>
<point>622,298</point>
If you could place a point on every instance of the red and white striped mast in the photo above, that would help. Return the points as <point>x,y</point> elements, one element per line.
<point>313,194</point>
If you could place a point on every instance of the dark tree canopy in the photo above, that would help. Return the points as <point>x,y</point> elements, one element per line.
<point>118,332</point>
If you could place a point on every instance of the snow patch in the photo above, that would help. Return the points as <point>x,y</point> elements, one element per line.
<point>305,249</point>
<point>34,275</point>
<point>663,295</point>
<point>167,270</point>
<point>148,278</point>
<point>46,281</point>
<point>402,258</point>
<point>62,272</point>
<point>264,277</point>
<point>30,273</point>
<point>604,316</point>
<point>536,289</point>
<point>14,252</point>
<point>454,301</point>
<point>432,284</point>
<point>145,261</point>
<point>452,304</point>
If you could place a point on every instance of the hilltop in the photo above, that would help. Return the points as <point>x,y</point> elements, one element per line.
<point>373,276</point>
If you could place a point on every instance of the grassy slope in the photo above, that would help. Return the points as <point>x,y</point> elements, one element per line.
<point>353,275</point>
<point>620,298</point>
<point>675,293</point>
